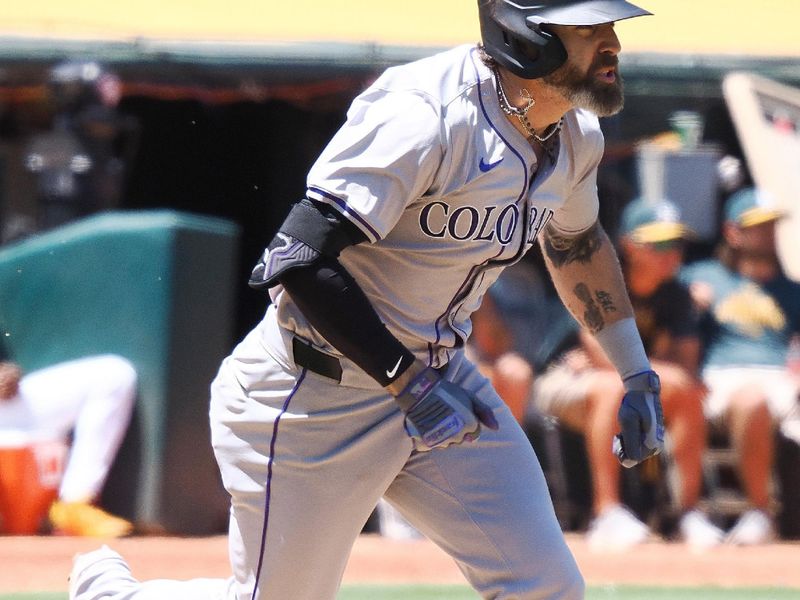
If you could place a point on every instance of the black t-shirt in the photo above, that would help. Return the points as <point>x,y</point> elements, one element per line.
<point>668,309</point>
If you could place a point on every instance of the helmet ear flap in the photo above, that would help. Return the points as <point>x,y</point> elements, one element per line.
<point>544,46</point>
<point>522,45</point>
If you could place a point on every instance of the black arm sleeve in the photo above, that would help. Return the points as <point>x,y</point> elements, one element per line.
<point>311,230</point>
<point>339,310</point>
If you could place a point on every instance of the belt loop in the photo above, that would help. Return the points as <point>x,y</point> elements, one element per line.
<point>305,355</point>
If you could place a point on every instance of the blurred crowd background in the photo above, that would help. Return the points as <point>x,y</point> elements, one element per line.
<point>143,169</point>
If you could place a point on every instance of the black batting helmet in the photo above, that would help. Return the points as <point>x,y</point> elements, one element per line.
<point>514,32</point>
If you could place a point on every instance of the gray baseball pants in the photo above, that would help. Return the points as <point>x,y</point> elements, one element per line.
<point>306,459</point>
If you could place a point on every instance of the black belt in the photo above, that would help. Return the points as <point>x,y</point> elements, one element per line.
<point>305,355</point>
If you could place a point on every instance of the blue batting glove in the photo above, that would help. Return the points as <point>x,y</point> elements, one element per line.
<point>440,413</point>
<point>641,420</point>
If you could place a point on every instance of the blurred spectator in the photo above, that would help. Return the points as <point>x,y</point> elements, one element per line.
<point>491,347</point>
<point>80,162</point>
<point>583,391</point>
<point>89,400</point>
<point>751,311</point>
<point>533,316</point>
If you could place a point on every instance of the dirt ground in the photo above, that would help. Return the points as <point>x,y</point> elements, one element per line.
<point>43,563</point>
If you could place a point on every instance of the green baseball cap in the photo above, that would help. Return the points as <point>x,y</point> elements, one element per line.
<point>751,206</point>
<point>648,222</point>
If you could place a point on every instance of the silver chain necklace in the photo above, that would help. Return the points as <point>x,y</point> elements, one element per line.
<point>522,113</point>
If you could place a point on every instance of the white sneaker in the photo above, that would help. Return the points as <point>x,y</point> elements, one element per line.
<point>753,527</point>
<point>616,528</point>
<point>698,532</point>
<point>93,570</point>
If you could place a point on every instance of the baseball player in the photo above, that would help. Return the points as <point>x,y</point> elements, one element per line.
<point>87,400</point>
<point>355,385</point>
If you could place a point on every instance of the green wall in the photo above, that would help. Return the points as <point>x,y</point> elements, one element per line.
<point>156,287</point>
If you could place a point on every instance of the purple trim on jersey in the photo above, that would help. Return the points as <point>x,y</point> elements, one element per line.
<point>343,208</point>
<point>458,297</point>
<point>268,494</point>
<point>517,153</point>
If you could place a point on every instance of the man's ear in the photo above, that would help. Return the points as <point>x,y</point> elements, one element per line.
<point>732,234</point>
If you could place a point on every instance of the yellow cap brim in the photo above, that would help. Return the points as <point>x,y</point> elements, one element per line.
<point>758,215</point>
<point>660,232</point>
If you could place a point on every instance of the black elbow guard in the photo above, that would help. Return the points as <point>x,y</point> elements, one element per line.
<point>282,254</point>
<point>309,231</point>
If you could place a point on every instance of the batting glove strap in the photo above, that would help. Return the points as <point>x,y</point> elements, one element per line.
<point>641,420</point>
<point>417,389</point>
<point>646,381</point>
<point>438,413</point>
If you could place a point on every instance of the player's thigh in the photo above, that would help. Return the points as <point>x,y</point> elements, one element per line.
<point>487,504</point>
<point>563,392</point>
<point>305,462</point>
<point>55,395</point>
<point>779,391</point>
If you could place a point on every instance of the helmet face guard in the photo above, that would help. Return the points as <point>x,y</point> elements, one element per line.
<point>515,35</point>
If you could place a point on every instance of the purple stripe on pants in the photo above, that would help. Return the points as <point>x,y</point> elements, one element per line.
<point>285,407</point>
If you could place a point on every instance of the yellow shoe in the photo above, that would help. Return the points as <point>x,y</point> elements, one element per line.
<point>84,519</point>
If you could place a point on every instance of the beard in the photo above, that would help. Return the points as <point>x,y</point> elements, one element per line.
<point>584,90</point>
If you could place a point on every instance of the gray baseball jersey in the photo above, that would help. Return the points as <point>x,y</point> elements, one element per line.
<point>447,193</point>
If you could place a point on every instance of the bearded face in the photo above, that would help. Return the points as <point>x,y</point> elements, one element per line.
<point>598,89</point>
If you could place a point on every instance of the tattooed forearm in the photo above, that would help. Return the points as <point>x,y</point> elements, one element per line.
<point>563,250</point>
<point>606,301</point>
<point>592,317</point>
<point>586,272</point>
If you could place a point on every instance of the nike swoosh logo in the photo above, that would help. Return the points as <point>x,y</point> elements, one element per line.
<point>486,167</point>
<point>393,372</point>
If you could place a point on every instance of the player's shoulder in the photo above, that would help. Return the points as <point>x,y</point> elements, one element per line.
<point>583,124</point>
<point>441,77</point>
<point>583,138</point>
